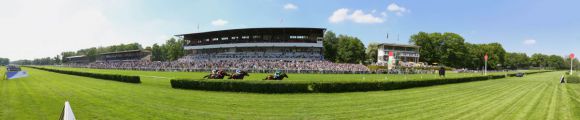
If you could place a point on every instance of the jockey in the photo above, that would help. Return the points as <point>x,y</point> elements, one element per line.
<point>213,73</point>
<point>238,71</point>
<point>277,73</point>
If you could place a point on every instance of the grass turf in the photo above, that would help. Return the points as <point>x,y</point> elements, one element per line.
<point>42,95</point>
<point>292,76</point>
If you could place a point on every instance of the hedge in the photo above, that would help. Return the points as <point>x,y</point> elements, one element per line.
<point>574,78</point>
<point>317,86</point>
<point>114,77</point>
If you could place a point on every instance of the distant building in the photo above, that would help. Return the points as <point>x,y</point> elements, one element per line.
<point>79,59</point>
<point>402,54</point>
<point>130,55</point>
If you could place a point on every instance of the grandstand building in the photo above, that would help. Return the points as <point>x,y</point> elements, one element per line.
<point>130,55</point>
<point>80,59</point>
<point>293,44</point>
<point>402,55</point>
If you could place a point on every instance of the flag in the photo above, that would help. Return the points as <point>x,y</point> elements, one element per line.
<point>67,113</point>
<point>572,56</point>
<point>485,57</point>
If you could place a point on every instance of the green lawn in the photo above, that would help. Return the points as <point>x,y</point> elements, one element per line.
<point>292,76</point>
<point>42,95</point>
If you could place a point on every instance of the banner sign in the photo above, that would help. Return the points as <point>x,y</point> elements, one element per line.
<point>391,61</point>
<point>16,74</point>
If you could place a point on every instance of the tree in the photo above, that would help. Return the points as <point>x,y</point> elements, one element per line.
<point>57,59</point>
<point>447,49</point>
<point>4,61</point>
<point>157,53</point>
<point>429,47</point>
<point>372,52</point>
<point>330,43</point>
<point>556,62</point>
<point>517,60</point>
<point>539,60</point>
<point>173,49</point>
<point>350,50</point>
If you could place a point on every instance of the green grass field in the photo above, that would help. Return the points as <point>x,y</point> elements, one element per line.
<point>42,95</point>
<point>292,77</point>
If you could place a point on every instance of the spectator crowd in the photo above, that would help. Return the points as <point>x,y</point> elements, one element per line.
<point>230,65</point>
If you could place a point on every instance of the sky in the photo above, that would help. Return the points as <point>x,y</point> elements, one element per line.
<point>44,28</point>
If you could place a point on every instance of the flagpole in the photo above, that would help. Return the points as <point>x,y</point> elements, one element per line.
<point>485,67</point>
<point>571,63</point>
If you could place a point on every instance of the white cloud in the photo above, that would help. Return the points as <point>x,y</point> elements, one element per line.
<point>384,14</point>
<point>529,42</point>
<point>339,15</point>
<point>358,16</point>
<point>399,10</point>
<point>290,6</point>
<point>219,22</point>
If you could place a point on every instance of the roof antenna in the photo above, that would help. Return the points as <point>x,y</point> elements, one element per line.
<point>198,27</point>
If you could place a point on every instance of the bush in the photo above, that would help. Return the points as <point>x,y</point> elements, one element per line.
<point>114,77</point>
<point>316,86</point>
<point>572,78</point>
<point>242,86</point>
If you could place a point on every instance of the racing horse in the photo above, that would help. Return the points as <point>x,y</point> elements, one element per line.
<point>271,77</point>
<point>239,76</point>
<point>220,75</point>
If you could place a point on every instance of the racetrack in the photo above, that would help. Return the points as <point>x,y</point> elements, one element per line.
<point>42,95</point>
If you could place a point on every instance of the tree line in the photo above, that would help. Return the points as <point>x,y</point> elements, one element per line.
<point>450,49</point>
<point>4,61</point>
<point>171,50</point>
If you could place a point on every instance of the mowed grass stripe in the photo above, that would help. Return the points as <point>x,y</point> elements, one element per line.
<point>573,90</point>
<point>501,105</point>
<point>479,99</point>
<point>476,102</point>
<point>410,107</point>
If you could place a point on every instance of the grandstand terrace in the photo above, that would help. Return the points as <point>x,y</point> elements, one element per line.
<point>293,44</point>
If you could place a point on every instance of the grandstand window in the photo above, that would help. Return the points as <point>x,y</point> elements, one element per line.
<point>214,39</point>
<point>267,37</point>
<point>234,37</point>
<point>319,38</point>
<point>256,37</point>
<point>298,37</point>
<point>245,37</point>
<point>207,40</point>
<point>225,38</point>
